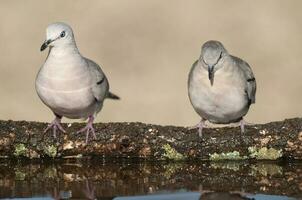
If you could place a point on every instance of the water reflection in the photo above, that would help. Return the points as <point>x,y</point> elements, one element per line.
<point>89,190</point>
<point>143,181</point>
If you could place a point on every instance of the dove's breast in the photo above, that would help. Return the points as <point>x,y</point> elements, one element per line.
<point>66,89</point>
<point>223,102</point>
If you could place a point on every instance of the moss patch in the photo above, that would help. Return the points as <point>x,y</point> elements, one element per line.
<point>171,153</point>
<point>264,153</point>
<point>235,155</point>
<point>20,150</point>
<point>50,151</point>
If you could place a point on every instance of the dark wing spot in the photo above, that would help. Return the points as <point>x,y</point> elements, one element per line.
<point>249,101</point>
<point>100,81</point>
<point>251,79</point>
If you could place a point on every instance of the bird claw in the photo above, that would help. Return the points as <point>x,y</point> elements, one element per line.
<point>55,125</point>
<point>88,128</point>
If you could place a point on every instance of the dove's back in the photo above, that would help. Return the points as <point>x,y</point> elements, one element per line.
<point>65,84</point>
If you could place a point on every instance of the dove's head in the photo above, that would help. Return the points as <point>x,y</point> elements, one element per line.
<point>212,56</point>
<point>58,34</point>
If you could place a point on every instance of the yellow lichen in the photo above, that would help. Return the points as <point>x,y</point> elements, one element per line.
<point>51,151</point>
<point>20,150</point>
<point>171,153</point>
<point>264,153</point>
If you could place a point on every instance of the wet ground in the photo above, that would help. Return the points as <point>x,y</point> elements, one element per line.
<point>125,180</point>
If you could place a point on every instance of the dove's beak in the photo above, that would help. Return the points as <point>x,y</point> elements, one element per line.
<point>211,74</point>
<point>45,45</point>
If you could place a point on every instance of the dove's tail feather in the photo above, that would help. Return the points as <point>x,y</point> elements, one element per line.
<point>112,96</point>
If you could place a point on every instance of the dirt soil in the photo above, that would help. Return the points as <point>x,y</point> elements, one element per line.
<point>272,141</point>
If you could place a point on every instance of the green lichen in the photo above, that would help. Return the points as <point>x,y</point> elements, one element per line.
<point>20,150</point>
<point>171,153</point>
<point>51,151</point>
<point>235,155</point>
<point>264,153</point>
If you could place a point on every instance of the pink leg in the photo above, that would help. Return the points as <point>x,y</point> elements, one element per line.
<point>242,123</point>
<point>200,126</point>
<point>55,125</point>
<point>88,128</point>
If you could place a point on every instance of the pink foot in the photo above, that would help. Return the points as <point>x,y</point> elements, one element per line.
<point>55,125</point>
<point>200,126</point>
<point>88,128</point>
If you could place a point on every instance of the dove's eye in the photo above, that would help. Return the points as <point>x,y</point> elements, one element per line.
<point>62,34</point>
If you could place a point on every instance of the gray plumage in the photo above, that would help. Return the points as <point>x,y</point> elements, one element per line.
<point>68,83</point>
<point>221,87</point>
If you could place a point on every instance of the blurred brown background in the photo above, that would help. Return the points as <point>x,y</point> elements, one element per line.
<point>146,49</point>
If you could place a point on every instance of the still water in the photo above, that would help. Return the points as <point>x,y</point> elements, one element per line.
<point>124,180</point>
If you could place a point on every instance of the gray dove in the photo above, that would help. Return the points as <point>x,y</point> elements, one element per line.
<point>221,87</point>
<point>69,84</point>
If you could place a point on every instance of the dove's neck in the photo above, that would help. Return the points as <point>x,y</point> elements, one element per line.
<point>63,62</point>
<point>64,51</point>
